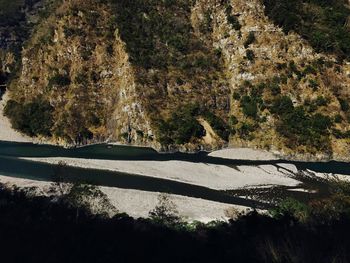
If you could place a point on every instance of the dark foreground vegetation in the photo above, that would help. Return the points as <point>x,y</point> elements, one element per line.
<point>63,229</point>
<point>33,118</point>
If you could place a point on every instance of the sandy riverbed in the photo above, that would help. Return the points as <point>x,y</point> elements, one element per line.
<point>138,203</point>
<point>244,154</point>
<point>218,177</point>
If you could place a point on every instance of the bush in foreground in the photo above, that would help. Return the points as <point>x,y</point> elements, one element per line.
<point>38,229</point>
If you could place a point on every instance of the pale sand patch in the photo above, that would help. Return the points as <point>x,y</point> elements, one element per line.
<point>302,190</point>
<point>210,136</point>
<point>6,131</point>
<point>138,203</point>
<point>244,154</point>
<point>289,167</point>
<point>219,177</point>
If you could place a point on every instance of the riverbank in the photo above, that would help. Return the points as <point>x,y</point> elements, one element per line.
<point>7,133</point>
<point>218,177</point>
<point>138,203</point>
<point>244,154</point>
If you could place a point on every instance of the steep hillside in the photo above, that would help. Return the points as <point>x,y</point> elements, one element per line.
<point>95,73</point>
<point>187,75</point>
<point>179,75</point>
<point>76,83</point>
<point>285,96</point>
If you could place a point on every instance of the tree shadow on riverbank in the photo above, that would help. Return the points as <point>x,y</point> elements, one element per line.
<point>35,229</point>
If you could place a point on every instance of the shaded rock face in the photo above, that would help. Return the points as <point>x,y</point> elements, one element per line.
<point>17,19</point>
<point>14,23</point>
<point>151,73</point>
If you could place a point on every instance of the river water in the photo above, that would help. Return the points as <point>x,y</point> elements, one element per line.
<point>11,165</point>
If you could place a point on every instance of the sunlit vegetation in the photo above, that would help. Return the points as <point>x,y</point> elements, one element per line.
<point>340,134</point>
<point>251,102</point>
<point>300,127</point>
<point>245,130</point>
<point>344,105</point>
<point>206,26</point>
<point>173,66</point>
<point>233,120</point>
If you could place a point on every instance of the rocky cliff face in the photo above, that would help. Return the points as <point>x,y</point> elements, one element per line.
<point>180,75</point>
<point>279,65</point>
<point>77,63</point>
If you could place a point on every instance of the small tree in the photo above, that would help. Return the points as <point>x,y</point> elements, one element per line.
<point>165,211</point>
<point>250,39</point>
<point>89,198</point>
<point>250,55</point>
<point>293,208</point>
<point>60,185</point>
<point>78,195</point>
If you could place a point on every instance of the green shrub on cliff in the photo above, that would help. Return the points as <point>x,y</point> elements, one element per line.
<point>300,127</point>
<point>249,106</point>
<point>181,127</point>
<point>34,118</point>
<point>59,80</point>
<point>218,125</point>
